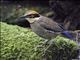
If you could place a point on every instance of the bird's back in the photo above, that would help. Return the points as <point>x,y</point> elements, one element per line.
<point>46,28</point>
<point>50,24</point>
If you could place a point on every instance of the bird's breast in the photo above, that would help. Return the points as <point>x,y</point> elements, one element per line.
<point>42,32</point>
<point>37,29</point>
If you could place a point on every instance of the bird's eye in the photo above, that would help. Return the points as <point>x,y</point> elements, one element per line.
<point>33,15</point>
<point>36,15</point>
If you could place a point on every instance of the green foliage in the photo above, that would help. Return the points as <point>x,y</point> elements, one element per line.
<point>61,49</point>
<point>19,43</point>
<point>11,12</point>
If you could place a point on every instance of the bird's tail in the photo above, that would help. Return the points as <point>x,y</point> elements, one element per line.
<point>68,35</point>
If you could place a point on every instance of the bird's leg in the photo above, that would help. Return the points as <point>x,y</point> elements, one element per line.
<point>46,41</point>
<point>48,50</point>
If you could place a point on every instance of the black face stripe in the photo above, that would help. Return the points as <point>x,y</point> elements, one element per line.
<point>33,15</point>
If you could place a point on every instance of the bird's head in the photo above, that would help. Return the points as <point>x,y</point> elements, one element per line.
<point>31,16</point>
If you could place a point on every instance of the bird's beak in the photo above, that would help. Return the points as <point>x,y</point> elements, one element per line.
<point>23,17</point>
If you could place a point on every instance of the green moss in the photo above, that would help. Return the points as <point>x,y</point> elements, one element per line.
<point>19,43</point>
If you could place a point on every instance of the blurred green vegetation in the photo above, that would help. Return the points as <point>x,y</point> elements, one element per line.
<point>19,43</point>
<point>11,12</point>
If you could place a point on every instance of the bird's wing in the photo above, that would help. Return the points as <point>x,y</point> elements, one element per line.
<point>50,25</point>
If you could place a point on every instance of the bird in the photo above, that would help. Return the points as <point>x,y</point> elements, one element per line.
<point>44,26</point>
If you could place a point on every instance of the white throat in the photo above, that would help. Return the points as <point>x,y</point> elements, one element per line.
<point>32,20</point>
